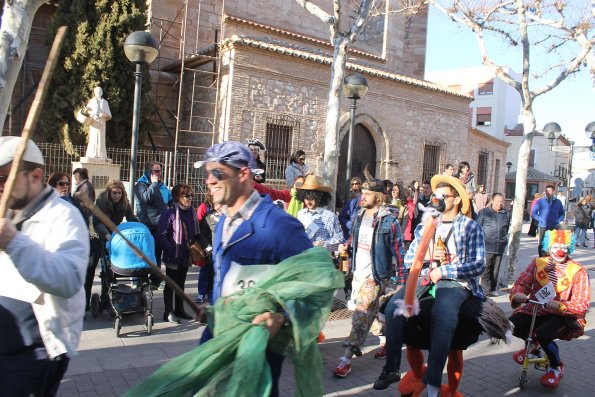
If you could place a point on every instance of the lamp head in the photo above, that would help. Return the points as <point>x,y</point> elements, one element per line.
<point>552,132</point>
<point>141,47</point>
<point>355,86</point>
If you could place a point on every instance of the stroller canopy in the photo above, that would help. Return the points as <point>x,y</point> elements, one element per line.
<point>122,256</point>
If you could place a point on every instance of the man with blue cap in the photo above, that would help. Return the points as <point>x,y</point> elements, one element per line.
<point>252,235</point>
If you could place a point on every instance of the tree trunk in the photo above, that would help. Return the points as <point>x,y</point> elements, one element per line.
<point>518,208</point>
<point>17,19</point>
<point>331,130</point>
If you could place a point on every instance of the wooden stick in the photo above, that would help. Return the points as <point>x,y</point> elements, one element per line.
<point>32,118</point>
<point>154,268</point>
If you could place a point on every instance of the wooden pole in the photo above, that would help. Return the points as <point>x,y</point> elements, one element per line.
<point>32,118</point>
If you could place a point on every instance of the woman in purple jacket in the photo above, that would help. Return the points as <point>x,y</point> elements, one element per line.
<point>178,229</point>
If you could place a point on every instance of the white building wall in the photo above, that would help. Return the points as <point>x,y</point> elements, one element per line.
<point>545,160</point>
<point>504,101</point>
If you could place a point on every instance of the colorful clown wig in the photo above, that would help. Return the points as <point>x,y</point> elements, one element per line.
<point>565,237</point>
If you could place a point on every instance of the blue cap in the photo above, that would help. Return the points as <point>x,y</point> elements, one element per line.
<point>231,153</point>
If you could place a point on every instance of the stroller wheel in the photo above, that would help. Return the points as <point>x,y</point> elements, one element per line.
<point>95,305</point>
<point>149,321</point>
<point>117,326</point>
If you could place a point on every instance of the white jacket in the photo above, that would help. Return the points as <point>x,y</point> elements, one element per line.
<point>51,252</point>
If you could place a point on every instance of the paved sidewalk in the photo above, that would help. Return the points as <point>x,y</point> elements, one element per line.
<point>108,366</point>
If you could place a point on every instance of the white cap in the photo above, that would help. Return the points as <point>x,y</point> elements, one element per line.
<point>9,146</point>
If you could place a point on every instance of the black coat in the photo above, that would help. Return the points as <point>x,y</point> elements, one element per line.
<point>581,216</point>
<point>495,227</point>
<point>115,215</point>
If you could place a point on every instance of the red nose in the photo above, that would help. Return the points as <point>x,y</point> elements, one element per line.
<point>560,253</point>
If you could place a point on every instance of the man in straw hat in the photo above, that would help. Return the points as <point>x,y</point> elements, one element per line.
<point>322,226</point>
<point>44,246</point>
<point>376,248</point>
<point>462,255</point>
<point>251,232</point>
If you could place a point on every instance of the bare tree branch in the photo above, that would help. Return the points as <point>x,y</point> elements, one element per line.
<point>317,11</point>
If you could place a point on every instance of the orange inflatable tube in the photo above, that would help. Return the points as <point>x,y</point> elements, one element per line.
<point>411,307</point>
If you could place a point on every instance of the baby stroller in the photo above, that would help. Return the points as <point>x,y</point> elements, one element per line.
<point>125,286</point>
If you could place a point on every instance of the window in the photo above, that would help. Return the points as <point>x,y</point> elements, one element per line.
<point>482,169</point>
<point>486,88</point>
<point>532,159</point>
<point>496,176</point>
<point>484,116</point>
<point>279,138</point>
<point>431,161</point>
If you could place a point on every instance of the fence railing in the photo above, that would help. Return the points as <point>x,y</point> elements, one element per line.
<point>57,158</point>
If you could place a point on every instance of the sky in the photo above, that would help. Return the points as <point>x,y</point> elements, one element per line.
<point>571,104</point>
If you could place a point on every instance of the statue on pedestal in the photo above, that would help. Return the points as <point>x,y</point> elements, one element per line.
<point>94,115</point>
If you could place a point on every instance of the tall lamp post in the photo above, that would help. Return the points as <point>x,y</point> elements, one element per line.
<point>552,132</point>
<point>508,165</point>
<point>355,86</point>
<point>590,132</point>
<point>140,48</point>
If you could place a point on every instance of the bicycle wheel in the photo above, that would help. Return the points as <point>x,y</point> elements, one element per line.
<point>523,379</point>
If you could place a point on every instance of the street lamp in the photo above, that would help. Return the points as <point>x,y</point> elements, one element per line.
<point>552,132</point>
<point>355,86</point>
<point>590,132</point>
<point>140,48</point>
<point>508,165</point>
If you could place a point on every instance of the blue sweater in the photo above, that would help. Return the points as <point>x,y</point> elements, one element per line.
<point>549,213</point>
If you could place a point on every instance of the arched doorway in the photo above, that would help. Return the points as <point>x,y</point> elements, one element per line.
<point>363,152</point>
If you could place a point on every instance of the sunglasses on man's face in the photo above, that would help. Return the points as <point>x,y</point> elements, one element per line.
<point>218,174</point>
<point>62,184</point>
<point>156,171</point>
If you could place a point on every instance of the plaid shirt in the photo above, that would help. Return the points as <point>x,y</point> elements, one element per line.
<point>329,229</point>
<point>575,299</point>
<point>232,223</point>
<point>469,240</point>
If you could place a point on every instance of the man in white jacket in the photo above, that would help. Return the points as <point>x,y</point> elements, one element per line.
<point>44,248</point>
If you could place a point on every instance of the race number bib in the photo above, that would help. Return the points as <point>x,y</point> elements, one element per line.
<point>240,277</point>
<point>546,294</point>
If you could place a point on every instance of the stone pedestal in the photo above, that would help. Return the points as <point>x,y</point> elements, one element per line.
<point>101,171</point>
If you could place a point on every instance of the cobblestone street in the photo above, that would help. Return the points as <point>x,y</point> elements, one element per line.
<point>108,366</point>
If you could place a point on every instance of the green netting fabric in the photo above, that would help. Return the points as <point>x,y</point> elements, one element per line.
<point>233,363</point>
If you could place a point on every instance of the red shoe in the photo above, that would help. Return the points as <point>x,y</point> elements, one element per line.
<point>519,357</point>
<point>552,378</point>
<point>320,338</point>
<point>343,369</point>
<point>380,352</point>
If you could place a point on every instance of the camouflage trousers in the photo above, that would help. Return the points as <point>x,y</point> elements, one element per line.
<point>364,316</point>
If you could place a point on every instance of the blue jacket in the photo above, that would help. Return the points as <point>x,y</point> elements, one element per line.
<point>348,213</point>
<point>152,199</point>
<point>386,244</point>
<point>548,213</point>
<point>268,237</point>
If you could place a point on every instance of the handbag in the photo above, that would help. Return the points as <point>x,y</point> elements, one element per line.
<point>197,253</point>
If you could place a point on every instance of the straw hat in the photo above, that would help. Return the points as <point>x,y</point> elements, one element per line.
<point>457,185</point>
<point>314,182</point>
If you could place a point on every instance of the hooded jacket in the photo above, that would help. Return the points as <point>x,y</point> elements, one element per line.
<point>152,199</point>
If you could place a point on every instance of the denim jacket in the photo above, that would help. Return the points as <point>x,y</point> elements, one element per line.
<point>387,244</point>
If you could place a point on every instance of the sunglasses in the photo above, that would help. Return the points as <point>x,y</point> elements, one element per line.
<point>62,184</point>
<point>156,171</point>
<point>218,174</point>
<point>3,179</point>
